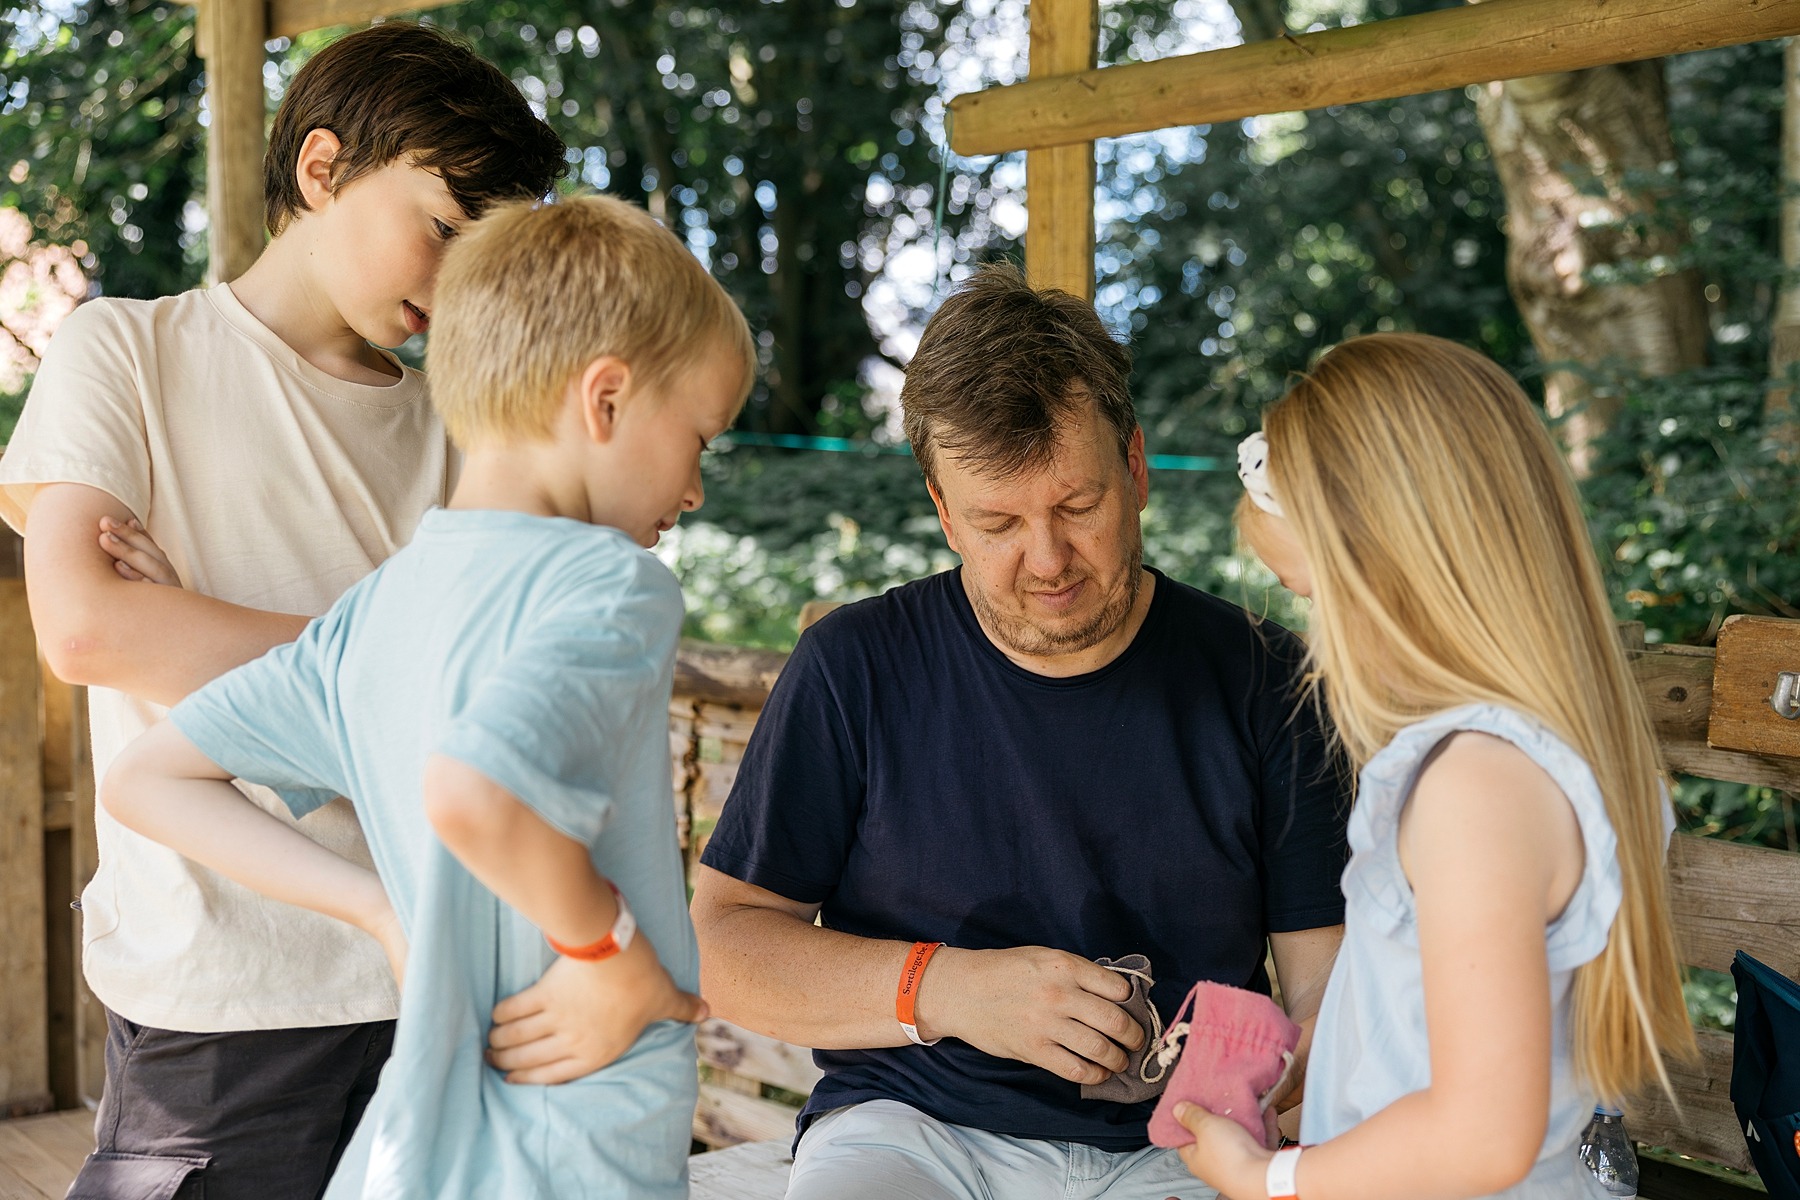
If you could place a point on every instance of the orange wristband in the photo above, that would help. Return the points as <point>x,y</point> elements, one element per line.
<point>617,940</point>
<point>908,994</point>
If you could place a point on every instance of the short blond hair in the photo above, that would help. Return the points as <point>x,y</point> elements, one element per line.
<point>532,293</point>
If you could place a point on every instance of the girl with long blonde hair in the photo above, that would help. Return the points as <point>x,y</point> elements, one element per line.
<point>1508,958</point>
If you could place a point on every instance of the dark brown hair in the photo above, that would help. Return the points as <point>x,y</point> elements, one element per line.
<point>398,88</point>
<point>1003,367</point>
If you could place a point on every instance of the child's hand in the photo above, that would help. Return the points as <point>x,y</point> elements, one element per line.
<point>135,556</point>
<point>581,1016</point>
<point>1223,1154</point>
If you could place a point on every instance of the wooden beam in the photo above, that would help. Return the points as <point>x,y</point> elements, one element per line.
<point>291,18</point>
<point>287,18</point>
<point>1725,897</point>
<point>1404,56</point>
<point>24,1058</point>
<point>1059,181</point>
<point>1753,653</point>
<point>1706,1126</point>
<point>232,33</point>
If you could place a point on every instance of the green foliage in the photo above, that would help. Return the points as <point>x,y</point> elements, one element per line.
<point>101,140</point>
<point>1692,507</point>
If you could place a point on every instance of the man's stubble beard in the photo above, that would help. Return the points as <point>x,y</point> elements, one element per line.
<point>1023,637</point>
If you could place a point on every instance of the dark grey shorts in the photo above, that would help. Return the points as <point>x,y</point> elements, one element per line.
<point>260,1115</point>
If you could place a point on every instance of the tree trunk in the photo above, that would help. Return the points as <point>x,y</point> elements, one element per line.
<point>1260,19</point>
<point>1784,340</point>
<point>1563,145</point>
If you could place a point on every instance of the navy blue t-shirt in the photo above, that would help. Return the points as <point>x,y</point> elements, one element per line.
<point>920,786</point>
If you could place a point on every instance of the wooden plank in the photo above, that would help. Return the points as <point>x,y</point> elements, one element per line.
<point>755,1056</point>
<point>1752,653</point>
<point>729,724</point>
<point>751,1171</point>
<point>726,674</point>
<point>1706,1126</point>
<point>726,1118</point>
<point>24,1063</point>
<point>59,715</point>
<point>1059,181</point>
<point>1727,897</point>
<point>84,850</point>
<point>1402,56</point>
<point>62,972</point>
<point>1677,683</point>
<point>37,1167</point>
<point>66,1136</point>
<point>232,33</point>
<point>812,610</point>
<point>290,17</point>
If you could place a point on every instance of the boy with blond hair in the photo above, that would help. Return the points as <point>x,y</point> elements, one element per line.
<point>495,697</point>
<point>256,431</point>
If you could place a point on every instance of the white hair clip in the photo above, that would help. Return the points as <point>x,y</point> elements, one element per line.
<point>1253,469</point>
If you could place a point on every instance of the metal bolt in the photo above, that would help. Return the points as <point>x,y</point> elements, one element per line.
<point>1786,700</point>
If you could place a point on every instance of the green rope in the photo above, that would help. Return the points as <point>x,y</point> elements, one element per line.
<point>838,445</point>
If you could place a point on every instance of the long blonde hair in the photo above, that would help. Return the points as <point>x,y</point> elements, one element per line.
<point>1443,531</point>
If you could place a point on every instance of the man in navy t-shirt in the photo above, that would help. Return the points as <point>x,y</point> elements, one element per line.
<point>1050,755</point>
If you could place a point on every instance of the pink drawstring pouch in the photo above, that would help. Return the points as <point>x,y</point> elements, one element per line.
<point>1236,1049</point>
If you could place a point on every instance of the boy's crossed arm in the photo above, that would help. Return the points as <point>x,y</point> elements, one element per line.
<point>97,628</point>
<point>581,1015</point>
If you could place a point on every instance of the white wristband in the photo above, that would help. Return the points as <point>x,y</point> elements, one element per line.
<point>1282,1170</point>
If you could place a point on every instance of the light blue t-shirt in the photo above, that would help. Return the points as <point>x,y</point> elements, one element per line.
<point>1370,1046</point>
<point>539,651</point>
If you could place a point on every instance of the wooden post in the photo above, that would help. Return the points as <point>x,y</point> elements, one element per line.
<point>1059,181</point>
<point>232,33</point>
<point>24,1057</point>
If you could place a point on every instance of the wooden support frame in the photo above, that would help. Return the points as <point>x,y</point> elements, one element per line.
<point>24,1054</point>
<point>1059,180</point>
<point>1403,56</point>
<point>232,34</point>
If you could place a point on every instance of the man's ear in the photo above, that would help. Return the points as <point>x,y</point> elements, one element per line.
<point>943,515</point>
<point>315,167</point>
<point>1138,464</point>
<point>600,390</point>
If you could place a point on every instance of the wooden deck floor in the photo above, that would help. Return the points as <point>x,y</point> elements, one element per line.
<point>40,1155</point>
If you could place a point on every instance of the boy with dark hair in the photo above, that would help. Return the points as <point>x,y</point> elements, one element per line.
<point>255,430</point>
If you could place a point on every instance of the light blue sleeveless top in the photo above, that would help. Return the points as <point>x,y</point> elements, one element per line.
<point>1370,1045</point>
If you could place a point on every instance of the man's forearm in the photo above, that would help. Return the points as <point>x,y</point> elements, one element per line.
<point>773,973</point>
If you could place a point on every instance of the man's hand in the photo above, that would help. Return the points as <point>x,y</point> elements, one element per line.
<point>581,1016</point>
<point>1046,1007</point>
<point>135,555</point>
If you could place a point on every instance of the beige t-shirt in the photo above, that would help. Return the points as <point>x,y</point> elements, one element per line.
<point>270,484</point>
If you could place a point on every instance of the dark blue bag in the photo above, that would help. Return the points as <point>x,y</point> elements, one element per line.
<point>1765,1081</point>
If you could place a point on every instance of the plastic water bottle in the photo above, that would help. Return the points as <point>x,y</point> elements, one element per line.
<point>1606,1149</point>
